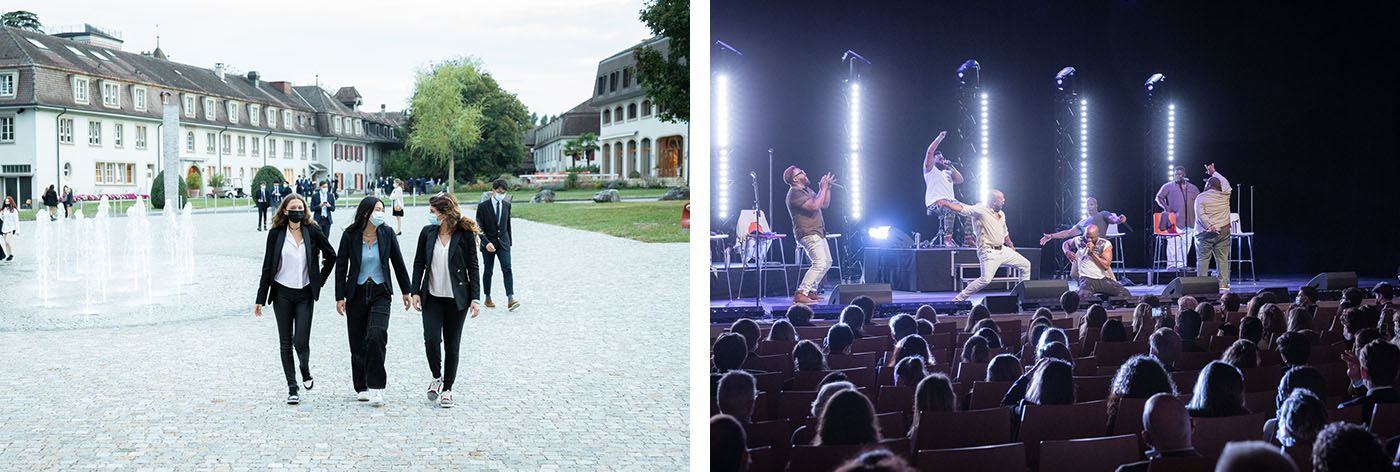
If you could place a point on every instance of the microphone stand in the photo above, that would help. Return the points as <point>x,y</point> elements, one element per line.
<point>759,254</point>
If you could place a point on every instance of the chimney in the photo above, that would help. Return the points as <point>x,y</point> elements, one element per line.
<point>381,110</point>
<point>219,70</point>
<point>253,77</point>
<point>282,86</point>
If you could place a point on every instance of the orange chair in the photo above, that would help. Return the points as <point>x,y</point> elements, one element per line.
<point>1163,238</point>
<point>1088,455</point>
<point>773,348</point>
<point>971,371</point>
<point>880,344</point>
<point>1113,354</point>
<point>998,458</point>
<point>974,428</point>
<point>1210,434</point>
<point>1262,379</point>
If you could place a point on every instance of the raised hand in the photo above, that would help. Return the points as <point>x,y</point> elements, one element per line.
<point>1210,168</point>
<point>1045,238</point>
<point>942,134</point>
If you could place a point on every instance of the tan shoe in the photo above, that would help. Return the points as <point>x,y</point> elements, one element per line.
<point>490,304</point>
<point>513,305</point>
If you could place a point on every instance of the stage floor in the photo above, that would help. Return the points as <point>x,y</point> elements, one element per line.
<point>1292,282</point>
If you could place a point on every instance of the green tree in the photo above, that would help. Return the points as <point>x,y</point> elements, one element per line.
<point>666,77</point>
<point>583,145</point>
<point>504,123</point>
<point>534,119</point>
<point>443,122</point>
<point>267,174</point>
<point>158,191</point>
<point>22,20</point>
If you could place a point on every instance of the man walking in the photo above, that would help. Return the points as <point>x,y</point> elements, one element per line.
<point>939,178</point>
<point>1178,197</point>
<point>1213,227</point>
<point>263,198</point>
<point>994,248</point>
<point>494,218</point>
<point>323,203</point>
<point>806,206</point>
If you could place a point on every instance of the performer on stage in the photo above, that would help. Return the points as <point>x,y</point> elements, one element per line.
<point>1178,197</point>
<point>1093,258</point>
<point>1098,219</point>
<point>939,178</point>
<point>806,206</point>
<point>1213,227</point>
<point>994,248</point>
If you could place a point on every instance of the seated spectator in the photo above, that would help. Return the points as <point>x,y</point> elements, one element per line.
<point>1242,354</point>
<point>1274,324</point>
<point>1152,301</point>
<point>912,346</point>
<point>1301,377</point>
<point>1069,302</point>
<point>749,329</point>
<point>993,339</point>
<point>1347,447</point>
<point>804,435</point>
<point>1165,346</point>
<point>1252,329</point>
<point>807,357</point>
<point>975,350</point>
<point>1307,298</point>
<point>1208,312</point>
<point>1052,383</point>
<point>986,323</point>
<point>1032,335</point>
<point>1166,428</point>
<point>925,327</point>
<point>782,330</point>
<point>1255,303</point>
<point>909,371</point>
<point>1313,336</point>
<point>847,420</point>
<point>838,339</point>
<point>1004,368</point>
<point>1299,420</point>
<point>926,312</point>
<point>1166,320</point>
<point>800,315</point>
<point>1219,392</point>
<point>1374,369</point>
<point>1364,337</point>
<point>1294,347</point>
<point>867,309</point>
<point>1089,328</point>
<point>933,395</point>
<point>1299,318</point>
<point>1043,312</point>
<point>878,460</point>
<point>1228,330</point>
<point>1054,350</point>
<point>1113,332</point>
<point>1253,456</point>
<point>737,390</point>
<point>978,313</point>
<point>1188,326</point>
<point>1352,296</point>
<point>1384,293</point>
<point>1231,302</point>
<point>1052,335</point>
<point>729,451</point>
<point>729,352</point>
<point>1143,324</point>
<point>902,325</point>
<point>1138,377</point>
<point>854,317</point>
<point>1187,303</point>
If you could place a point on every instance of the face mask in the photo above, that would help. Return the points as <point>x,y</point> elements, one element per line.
<point>376,218</point>
<point>433,219</point>
<point>296,215</point>
<point>500,196</point>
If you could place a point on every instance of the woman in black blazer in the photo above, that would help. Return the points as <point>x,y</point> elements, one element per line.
<point>446,286</point>
<point>363,289</point>
<point>293,288</point>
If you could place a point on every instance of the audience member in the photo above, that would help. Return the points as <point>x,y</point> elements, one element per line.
<point>1143,324</point>
<point>1069,302</point>
<point>1274,324</point>
<point>1113,332</point>
<point>985,323</point>
<point>1208,312</point>
<point>1166,429</point>
<point>1252,329</point>
<point>1187,303</point>
<point>800,315</point>
<point>1347,447</point>
<point>902,325</point>
<point>1253,456</point>
<point>1294,348</point>
<point>1054,350</point>
<point>782,331</point>
<point>925,327</point>
<point>978,313</point>
<point>993,339</point>
<point>1301,377</point>
<point>909,371</point>
<point>914,346</point>
<point>1300,418</point>
<point>1352,296</point>
<point>737,390</point>
<point>878,460</point>
<point>1219,392</point>
<point>1052,335</point>
<point>1165,345</point>
<point>867,308</point>
<point>1004,368</point>
<point>1188,326</point>
<point>729,352</point>
<point>848,419</point>
<point>854,317</point>
<point>838,339</point>
<point>975,350</point>
<point>807,357</point>
<point>1243,354</point>
<point>1376,369</point>
<point>1228,330</point>
<point>805,435</point>
<point>926,312</point>
<point>1089,327</point>
<point>1231,302</point>
<point>1051,384</point>
<point>1299,318</point>
<point>1138,377</point>
<point>728,445</point>
<point>748,328</point>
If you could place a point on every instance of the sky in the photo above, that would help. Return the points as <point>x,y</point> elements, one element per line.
<point>544,51</point>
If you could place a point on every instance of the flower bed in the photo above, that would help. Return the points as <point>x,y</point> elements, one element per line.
<point>110,197</point>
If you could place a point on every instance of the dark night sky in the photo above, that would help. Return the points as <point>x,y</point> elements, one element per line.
<point>1300,102</point>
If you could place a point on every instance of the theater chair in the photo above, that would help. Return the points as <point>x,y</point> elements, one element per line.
<point>828,458</point>
<point>1385,420</point>
<point>1088,455</point>
<point>1210,434</point>
<point>1182,464</point>
<point>988,394</point>
<point>1088,389</point>
<point>1129,418</point>
<point>1050,422</point>
<point>975,428</point>
<point>1113,354</point>
<point>1002,457</point>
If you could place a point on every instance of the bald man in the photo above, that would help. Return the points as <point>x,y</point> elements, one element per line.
<point>1096,218</point>
<point>994,248</point>
<point>1093,259</point>
<point>1213,227</point>
<point>1166,428</point>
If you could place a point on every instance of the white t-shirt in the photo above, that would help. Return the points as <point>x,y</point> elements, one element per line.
<point>397,198</point>
<point>989,225</point>
<point>439,274</point>
<point>1087,267</point>
<point>938,185</point>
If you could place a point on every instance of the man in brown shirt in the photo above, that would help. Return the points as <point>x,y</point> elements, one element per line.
<point>806,206</point>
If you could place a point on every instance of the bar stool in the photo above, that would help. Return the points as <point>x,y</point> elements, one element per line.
<point>717,243</point>
<point>1162,239</point>
<point>1238,241</point>
<point>760,244</point>
<point>799,254</point>
<point>1115,238</point>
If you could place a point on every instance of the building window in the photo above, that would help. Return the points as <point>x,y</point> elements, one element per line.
<point>111,94</point>
<point>253,111</point>
<point>632,111</point>
<point>189,142</point>
<point>602,85</point>
<point>271,147</point>
<point>336,120</point>
<point>80,89</point>
<point>301,120</point>
<point>255,146</point>
<point>626,77</point>
<point>115,173</point>
<point>7,129</point>
<point>209,147</point>
<point>272,117</point>
<point>227,143</point>
<point>94,133</point>
<point>646,108</point>
<point>7,83</point>
<point>189,106</point>
<point>232,108</point>
<point>287,119</point>
<point>313,150</point>
<point>359,128</point>
<point>612,82</point>
<point>138,97</point>
<point>117,134</point>
<point>607,116</point>
<point>209,112</point>
<point>617,114</point>
<point>140,137</point>
<point>287,147</point>
<point>303,150</point>
<point>337,152</point>
<point>242,145</point>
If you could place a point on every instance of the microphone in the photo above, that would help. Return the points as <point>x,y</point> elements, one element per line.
<point>753,174</point>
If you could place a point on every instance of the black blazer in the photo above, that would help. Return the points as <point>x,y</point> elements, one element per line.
<point>315,210</point>
<point>315,242</point>
<point>497,235</point>
<point>1370,399</point>
<point>347,267</point>
<point>462,264</point>
<point>262,197</point>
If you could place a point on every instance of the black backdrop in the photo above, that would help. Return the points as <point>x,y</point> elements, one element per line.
<point>1299,101</point>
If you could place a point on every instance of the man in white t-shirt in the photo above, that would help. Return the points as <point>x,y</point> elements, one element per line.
<point>939,178</point>
<point>994,248</point>
<point>1093,259</point>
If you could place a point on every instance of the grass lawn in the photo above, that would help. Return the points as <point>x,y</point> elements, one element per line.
<point>651,222</point>
<point>585,194</point>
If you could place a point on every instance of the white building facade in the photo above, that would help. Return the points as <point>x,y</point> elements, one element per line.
<point>633,142</point>
<point>547,150</point>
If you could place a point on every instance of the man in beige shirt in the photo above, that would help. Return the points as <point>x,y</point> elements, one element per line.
<point>1213,227</point>
<point>994,248</point>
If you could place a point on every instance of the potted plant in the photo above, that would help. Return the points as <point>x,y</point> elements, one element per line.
<point>217,181</point>
<point>195,182</point>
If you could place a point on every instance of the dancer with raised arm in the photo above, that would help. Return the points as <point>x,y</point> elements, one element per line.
<point>1213,227</point>
<point>939,178</point>
<point>994,248</point>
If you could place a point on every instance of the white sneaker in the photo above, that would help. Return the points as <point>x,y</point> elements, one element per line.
<point>445,400</point>
<point>434,388</point>
<point>362,396</point>
<point>376,398</point>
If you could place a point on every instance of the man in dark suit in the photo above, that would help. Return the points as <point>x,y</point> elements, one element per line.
<point>1373,372</point>
<point>323,204</point>
<point>263,198</point>
<point>494,217</point>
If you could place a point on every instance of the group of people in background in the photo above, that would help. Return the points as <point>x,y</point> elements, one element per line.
<point>444,282</point>
<point>52,200</point>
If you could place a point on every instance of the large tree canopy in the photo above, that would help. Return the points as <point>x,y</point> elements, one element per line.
<point>666,78</point>
<point>23,20</point>
<point>461,123</point>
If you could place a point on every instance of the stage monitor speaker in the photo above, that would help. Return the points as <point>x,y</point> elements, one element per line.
<point>1040,289</point>
<point>844,293</point>
<point>888,236</point>
<point>1280,293</point>
<point>1003,304</point>
<point>1333,281</point>
<point>1183,286</point>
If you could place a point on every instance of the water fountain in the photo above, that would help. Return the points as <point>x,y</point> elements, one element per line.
<point>139,239</point>
<point>42,231</point>
<point>187,245</point>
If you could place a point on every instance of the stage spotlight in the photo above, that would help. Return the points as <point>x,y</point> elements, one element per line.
<point>879,232</point>
<point>722,142</point>
<point>969,73</point>
<point>983,166</point>
<point>1083,158</point>
<point>1171,139</point>
<point>1065,81</point>
<point>855,151</point>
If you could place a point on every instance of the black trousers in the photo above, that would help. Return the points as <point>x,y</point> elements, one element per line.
<point>442,324</point>
<point>488,264</point>
<point>367,323</point>
<point>262,216</point>
<point>293,309</point>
